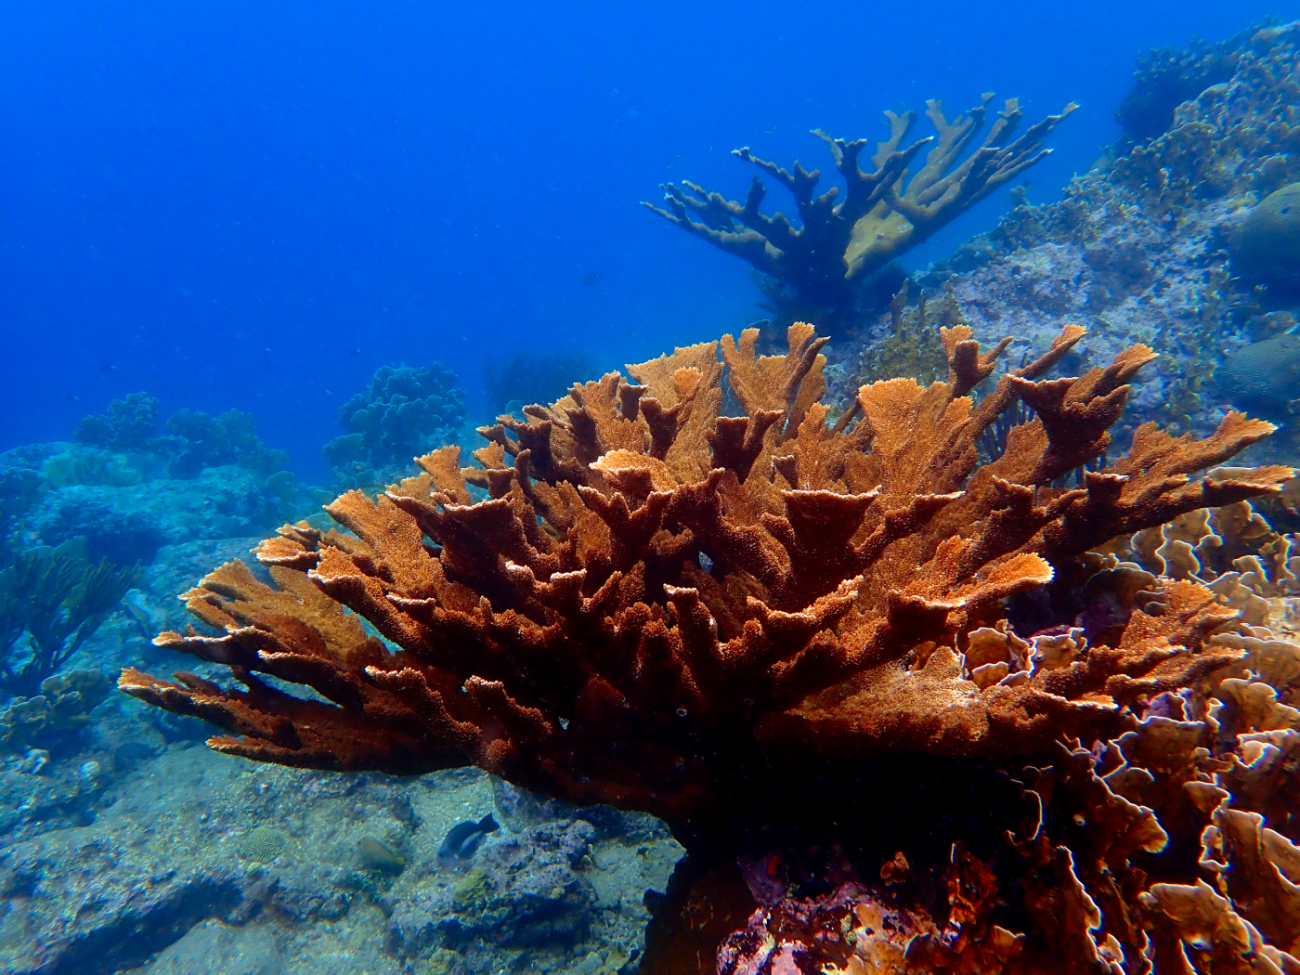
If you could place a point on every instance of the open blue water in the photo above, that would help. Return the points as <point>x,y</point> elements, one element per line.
<point>235,204</point>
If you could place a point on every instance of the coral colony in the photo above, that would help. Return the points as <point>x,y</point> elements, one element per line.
<point>404,412</point>
<point>906,704</point>
<point>839,244</point>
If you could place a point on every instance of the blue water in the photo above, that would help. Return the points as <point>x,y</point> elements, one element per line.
<point>235,204</point>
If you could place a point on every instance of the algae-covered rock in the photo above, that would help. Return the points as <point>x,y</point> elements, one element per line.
<point>249,950</point>
<point>62,707</point>
<point>1264,378</point>
<point>526,892</point>
<point>1266,245</point>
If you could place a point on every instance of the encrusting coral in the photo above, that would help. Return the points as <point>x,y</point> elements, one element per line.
<point>885,212</point>
<point>763,626</point>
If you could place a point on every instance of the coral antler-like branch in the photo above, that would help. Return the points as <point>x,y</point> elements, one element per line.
<point>884,212</point>
<point>652,600</point>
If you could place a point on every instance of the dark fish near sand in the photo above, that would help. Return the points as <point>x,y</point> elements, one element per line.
<point>464,839</point>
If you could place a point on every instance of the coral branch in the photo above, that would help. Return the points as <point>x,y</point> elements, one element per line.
<point>884,212</point>
<point>657,600</point>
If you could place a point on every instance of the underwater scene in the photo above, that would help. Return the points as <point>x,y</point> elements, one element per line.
<point>707,489</point>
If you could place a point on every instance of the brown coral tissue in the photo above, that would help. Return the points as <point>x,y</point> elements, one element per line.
<point>909,705</point>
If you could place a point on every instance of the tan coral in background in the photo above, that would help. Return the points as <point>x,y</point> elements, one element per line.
<point>885,211</point>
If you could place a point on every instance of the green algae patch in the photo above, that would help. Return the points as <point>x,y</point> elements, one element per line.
<point>473,892</point>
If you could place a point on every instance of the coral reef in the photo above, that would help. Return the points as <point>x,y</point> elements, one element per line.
<point>195,441</point>
<point>127,491</point>
<point>52,600</point>
<point>885,212</point>
<point>128,424</point>
<point>405,411</point>
<point>891,742</point>
<point>126,505</point>
<point>1169,76</point>
<point>198,441</point>
<point>740,623</point>
<point>130,523</point>
<point>1137,248</point>
<point>62,707</point>
<point>828,566</point>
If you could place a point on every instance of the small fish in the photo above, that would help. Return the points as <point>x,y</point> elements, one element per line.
<point>379,857</point>
<point>591,277</point>
<point>134,607</point>
<point>464,839</point>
